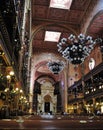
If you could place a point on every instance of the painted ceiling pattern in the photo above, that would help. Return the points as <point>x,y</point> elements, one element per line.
<point>46,18</point>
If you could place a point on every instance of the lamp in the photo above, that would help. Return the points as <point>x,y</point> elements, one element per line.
<point>55,66</point>
<point>77,49</point>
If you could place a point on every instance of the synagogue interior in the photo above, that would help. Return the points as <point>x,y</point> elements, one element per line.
<point>51,57</point>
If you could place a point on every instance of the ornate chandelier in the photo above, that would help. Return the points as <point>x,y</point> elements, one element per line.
<point>55,66</point>
<point>77,49</point>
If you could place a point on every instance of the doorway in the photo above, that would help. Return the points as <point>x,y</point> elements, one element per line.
<point>47,107</point>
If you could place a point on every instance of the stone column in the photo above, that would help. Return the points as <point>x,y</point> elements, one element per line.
<point>31,103</point>
<point>66,88</point>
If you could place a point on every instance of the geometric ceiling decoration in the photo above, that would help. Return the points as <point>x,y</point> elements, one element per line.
<point>52,36</point>
<point>60,20</point>
<point>61,4</point>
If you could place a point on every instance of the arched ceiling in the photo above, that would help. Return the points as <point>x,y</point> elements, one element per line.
<point>45,78</point>
<point>96,27</point>
<point>45,18</point>
<point>41,68</point>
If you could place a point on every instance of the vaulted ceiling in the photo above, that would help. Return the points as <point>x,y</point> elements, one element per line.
<point>46,18</point>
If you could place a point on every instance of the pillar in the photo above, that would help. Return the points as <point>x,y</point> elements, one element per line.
<point>66,88</point>
<point>94,105</point>
<point>31,103</point>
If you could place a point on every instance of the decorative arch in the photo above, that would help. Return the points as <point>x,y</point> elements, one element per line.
<point>95,16</point>
<point>43,26</point>
<point>48,77</point>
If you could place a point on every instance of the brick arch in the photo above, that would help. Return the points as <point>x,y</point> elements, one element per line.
<point>96,16</point>
<point>43,26</point>
<point>50,78</point>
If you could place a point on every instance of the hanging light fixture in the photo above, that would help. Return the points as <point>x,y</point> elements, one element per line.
<point>77,49</point>
<point>55,66</point>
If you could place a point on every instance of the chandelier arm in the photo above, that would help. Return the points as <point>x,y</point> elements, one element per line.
<point>78,48</point>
